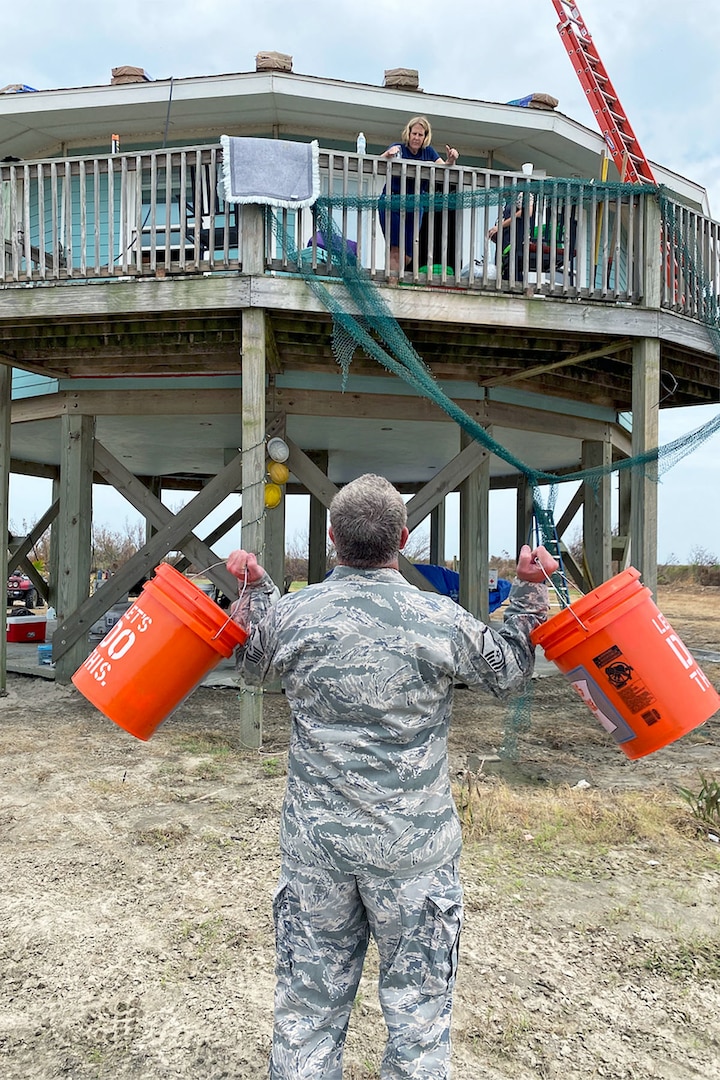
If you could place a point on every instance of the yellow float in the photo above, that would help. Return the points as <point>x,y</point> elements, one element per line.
<point>278,473</point>
<point>273,495</point>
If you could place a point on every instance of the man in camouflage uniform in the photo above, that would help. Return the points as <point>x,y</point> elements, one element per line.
<point>370,836</point>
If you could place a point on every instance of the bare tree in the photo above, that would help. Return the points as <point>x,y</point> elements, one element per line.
<point>112,548</point>
<point>700,556</point>
<point>40,551</point>
<point>417,548</point>
<point>296,557</point>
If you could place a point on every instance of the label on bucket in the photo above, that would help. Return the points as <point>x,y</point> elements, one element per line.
<point>117,643</point>
<point>627,684</point>
<point>585,686</point>
<point>680,653</point>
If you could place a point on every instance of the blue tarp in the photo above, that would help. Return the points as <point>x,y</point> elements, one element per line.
<point>447,582</point>
<point>499,596</point>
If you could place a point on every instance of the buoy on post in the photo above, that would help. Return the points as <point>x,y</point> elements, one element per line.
<point>277,472</point>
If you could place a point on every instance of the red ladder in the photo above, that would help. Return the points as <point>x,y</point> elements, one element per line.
<point>614,125</point>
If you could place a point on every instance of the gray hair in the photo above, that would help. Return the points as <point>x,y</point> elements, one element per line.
<point>367,517</point>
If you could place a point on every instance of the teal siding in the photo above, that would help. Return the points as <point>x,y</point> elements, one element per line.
<point>26,384</point>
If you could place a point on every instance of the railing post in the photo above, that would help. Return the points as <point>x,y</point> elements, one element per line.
<point>654,257</point>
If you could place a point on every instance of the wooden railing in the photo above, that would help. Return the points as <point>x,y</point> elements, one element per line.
<point>129,214</point>
<point>159,214</point>
<point>567,238</point>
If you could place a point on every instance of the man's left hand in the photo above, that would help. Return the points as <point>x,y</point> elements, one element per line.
<point>241,562</point>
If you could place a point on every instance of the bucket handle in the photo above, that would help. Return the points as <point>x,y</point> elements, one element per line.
<point>561,598</point>
<point>240,594</point>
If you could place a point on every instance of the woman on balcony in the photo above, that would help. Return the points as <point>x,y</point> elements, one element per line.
<point>414,146</point>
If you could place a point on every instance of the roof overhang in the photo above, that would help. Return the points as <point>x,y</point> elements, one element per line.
<point>58,123</point>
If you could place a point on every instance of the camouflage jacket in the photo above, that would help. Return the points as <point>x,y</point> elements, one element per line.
<point>368,663</point>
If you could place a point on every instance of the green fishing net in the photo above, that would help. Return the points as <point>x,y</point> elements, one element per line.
<point>363,320</point>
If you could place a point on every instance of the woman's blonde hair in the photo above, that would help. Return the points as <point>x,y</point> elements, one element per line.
<point>423,120</point>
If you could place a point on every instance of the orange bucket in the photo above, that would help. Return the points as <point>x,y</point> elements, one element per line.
<point>628,665</point>
<point>158,652</point>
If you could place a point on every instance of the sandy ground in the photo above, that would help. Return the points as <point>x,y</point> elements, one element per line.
<point>136,882</point>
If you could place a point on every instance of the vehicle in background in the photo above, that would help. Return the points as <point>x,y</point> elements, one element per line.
<point>20,587</point>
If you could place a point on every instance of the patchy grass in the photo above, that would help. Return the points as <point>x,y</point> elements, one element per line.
<point>705,802</point>
<point>166,836</point>
<point>500,1035</point>
<point>208,742</point>
<point>681,960</point>
<point>553,818</point>
<point>272,767</point>
<point>211,939</point>
<point>213,771</point>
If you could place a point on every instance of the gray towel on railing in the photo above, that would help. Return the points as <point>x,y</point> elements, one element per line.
<point>273,172</point>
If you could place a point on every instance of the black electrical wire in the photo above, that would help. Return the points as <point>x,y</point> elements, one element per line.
<point>167,118</point>
<point>167,125</point>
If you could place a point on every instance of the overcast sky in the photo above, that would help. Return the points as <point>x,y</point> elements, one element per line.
<point>661,58</point>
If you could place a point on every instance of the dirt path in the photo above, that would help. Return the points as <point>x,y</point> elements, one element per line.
<point>136,882</point>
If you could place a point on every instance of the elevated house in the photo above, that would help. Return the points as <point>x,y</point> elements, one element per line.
<point>158,334</point>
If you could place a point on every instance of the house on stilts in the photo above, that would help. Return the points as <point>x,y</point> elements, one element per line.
<point>155,332</point>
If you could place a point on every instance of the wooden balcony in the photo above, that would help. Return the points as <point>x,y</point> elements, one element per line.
<point>158,214</point>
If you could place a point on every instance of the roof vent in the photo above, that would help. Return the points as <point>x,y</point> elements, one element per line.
<point>273,61</point>
<point>536,101</point>
<point>18,88</point>
<point>129,75</point>
<point>401,78</point>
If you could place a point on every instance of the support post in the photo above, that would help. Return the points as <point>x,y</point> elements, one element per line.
<point>75,532</point>
<point>5,412</point>
<point>523,513</point>
<point>597,514</point>
<point>253,440</point>
<point>53,569</point>
<point>154,486</point>
<point>437,534</point>
<point>317,529</point>
<point>274,561</point>
<point>623,554</point>
<point>644,488</point>
<point>474,538</point>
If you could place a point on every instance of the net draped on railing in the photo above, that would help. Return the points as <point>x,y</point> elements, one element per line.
<point>362,318</point>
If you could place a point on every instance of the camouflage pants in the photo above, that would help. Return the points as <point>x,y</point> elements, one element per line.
<point>323,922</point>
